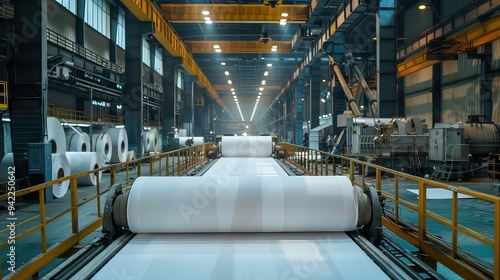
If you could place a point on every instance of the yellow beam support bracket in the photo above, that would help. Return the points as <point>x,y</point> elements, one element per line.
<point>414,64</point>
<point>144,10</point>
<point>235,13</point>
<point>4,97</point>
<point>237,46</point>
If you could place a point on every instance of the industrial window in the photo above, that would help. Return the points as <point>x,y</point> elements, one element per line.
<point>96,15</point>
<point>146,53</point>
<point>120,32</point>
<point>158,61</point>
<point>68,4</point>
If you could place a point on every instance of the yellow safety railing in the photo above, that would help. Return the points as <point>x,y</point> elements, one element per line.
<point>4,97</point>
<point>39,227</point>
<point>80,116</point>
<point>436,228</point>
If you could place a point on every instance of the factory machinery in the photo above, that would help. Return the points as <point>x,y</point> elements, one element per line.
<point>242,215</point>
<point>449,149</point>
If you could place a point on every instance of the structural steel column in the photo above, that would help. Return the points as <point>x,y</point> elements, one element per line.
<point>486,83</point>
<point>133,95</point>
<point>299,131</point>
<point>436,93</point>
<point>113,31</point>
<point>314,100</point>
<point>27,73</point>
<point>169,89</point>
<point>80,22</point>
<point>187,99</point>
<point>386,59</point>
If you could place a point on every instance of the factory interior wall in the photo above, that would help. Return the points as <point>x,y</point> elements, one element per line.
<point>420,106</point>
<point>496,98</point>
<point>61,21</point>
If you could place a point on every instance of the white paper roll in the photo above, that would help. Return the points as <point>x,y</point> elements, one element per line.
<point>7,161</point>
<point>56,136</point>
<point>130,155</point>
<point>77,142</point>
<point>241,204</point>
<point>60,168</point>
<point>102,144</point>
<point>145,142</point>
<point>247,146</point>
<point>153,140</point>
<point>119,141</point>
<point>197,141</point>
<point>82,162</point>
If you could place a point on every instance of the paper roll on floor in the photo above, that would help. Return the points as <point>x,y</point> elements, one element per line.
<point>130,155</point>
<point>153,140</point>
<point>60,169</point>
<point>77,142</point>
<point>119,141</point>
<point>82,162</point>
<point>145,141</point>
<point>102,144</point>
<point>196,141</point>
<point>241,204</point>
<point>56,136</point>
<point>247,146</point>
<point>7,161</point>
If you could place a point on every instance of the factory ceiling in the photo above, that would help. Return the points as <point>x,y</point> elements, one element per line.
<point>249,50</point>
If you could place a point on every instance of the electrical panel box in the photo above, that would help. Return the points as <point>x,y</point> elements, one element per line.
<point>40,159</point>
<point>40,167</point>
<point>447,144</point>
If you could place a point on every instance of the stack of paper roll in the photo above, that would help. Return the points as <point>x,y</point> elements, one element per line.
<point>150,141</point>
<point>103,145</point>
<point>60,169</point>
<point>77,141</point>
<point>83,162</point>
<point>56,136</point>
<point>119,141</point>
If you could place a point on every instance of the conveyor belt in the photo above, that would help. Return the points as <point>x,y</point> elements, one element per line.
<point>246,167</point>
<point>241,256</point>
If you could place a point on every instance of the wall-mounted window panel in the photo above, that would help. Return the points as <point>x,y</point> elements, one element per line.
<point>68,4</point>
<point>120,32</point>
<point>96,15</point>
<point>180,79</point>
<point>158,61</point>
<point>146,53</point>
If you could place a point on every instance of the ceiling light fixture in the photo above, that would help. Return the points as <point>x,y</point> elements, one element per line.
<point>274,48</point>
<point>216,47</point>
<point>260,93</point>
<point>284,14</point>
<point>269,65</point>
<point>230,82</point>
<point>261,88</point>
<point>226,73</point>
<point>223,63</point>
<point>208,21</point>
<point>205,13</point>
<point>232,89</point>
<point>266,73</point>
<point>218,50</point>
<point>263,82</point>
<point>233,92</point>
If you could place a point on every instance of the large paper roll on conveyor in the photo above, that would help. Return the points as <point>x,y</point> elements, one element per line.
<point>241,204</point>
<point>60,169</point>
<point>77,142</point>
<point>247,146</point>
<point>119,141</point>
<point>56,136</point>
<point>82,162</point>
<point>103,145</point>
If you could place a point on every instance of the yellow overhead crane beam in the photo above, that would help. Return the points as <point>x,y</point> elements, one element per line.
<point>483,33</point>
<point>144,10</point>
<point>238,46</point>
<point>235,13</point>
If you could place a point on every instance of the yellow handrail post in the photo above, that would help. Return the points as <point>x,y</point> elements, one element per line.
<point>151,165</point>
<point>496,257</point>
<point>74,203</point>
<point>139,167</point>
<point>422,210</point>
<point>112,175</point>
<point>43,233</point>
<point>351,171</point>
<point>454,221</point>
<point>168,164</point>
